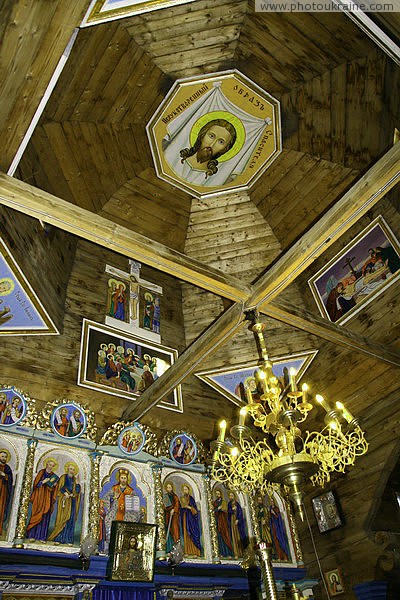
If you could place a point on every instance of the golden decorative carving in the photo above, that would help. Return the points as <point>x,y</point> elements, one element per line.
<point>93,528</point>
<point>254,520</point>
<point>213,525</point>
<point>267,573</point>
<point>293,528</point>
<point>110,438</point>
<point>163,448</point>
<point>25,494</point>
<point>159,512</point>
<point>44,419</point>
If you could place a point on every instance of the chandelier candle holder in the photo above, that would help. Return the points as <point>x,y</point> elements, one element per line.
<point>286,454</point>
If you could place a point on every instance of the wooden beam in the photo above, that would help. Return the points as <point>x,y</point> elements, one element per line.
<point>361,197</point>
<point>32,201</point>
<point>220,331</point>
<point>316,325</point>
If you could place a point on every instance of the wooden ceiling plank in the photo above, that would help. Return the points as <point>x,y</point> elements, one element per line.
<point>361,197</point>
<point>353,42</point>
<point>194,40</point>
<point>155,189</point>
<point>102,156</point>
<point>93,43</point>
<point>218,333</point>
<point>307,214</point>
<point>280,169</point>
<point>316,325</point>
<point>35,36</point>
<point>155,25</point>
<point>69,165</point>
<point>308,56</point>
<point>83,223</point>
<point>316,185</point>
<point>122,73</point>
<point>124,104</point>
<point>283,189</point>
<point>190,58</point>
<point>338,112</point>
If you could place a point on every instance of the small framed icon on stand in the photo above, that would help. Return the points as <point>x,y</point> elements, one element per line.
<point>132,551</point>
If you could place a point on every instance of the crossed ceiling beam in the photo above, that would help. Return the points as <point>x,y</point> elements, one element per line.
<point>362,196</point>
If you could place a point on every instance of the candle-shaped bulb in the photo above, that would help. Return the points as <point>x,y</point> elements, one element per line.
<point>262,376</point>
<point>304,389</point>
<point>249,395</point>
<point>242,415</point>
<point>292,373</point>
<point>346,414</point>
<point>234,452</point>
<point>321,400</point>
<point>222,429</point>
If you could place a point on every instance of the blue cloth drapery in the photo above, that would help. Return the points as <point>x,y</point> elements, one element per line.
<point>127,592</point>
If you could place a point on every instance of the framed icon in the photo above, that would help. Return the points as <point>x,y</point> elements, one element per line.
<point>183,449</point>
<point>68,420</point>
<point>132,551</point>
<point>334,581</point>
<point>131,440</point>
<point>327,512</point>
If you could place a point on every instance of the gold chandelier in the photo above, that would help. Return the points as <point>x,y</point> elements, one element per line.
<point>286,455</point>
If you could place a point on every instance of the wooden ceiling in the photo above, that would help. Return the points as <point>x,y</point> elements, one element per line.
<point>339,96</point>
<point>91,149</point>
<point>340,104</point>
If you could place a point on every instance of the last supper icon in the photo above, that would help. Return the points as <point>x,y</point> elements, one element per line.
<point>216,134</point>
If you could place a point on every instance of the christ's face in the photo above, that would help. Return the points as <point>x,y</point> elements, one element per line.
<point>214,143</point>
<point>123,480</point>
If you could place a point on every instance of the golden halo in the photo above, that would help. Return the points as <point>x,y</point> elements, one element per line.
<point>233,120</point>
<point>7,453</point>
<point>169,482</point>
<point>10,283</point>
<point>250,382</point>
<point>122,471</point>
<point>189,488</point>
<point>53,460</point>
<point>148,297</point>
<point>68,464</point>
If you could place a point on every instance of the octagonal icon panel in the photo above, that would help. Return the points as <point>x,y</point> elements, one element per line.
<point>215,134</point>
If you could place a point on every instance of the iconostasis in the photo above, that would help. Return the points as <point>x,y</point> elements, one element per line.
<point>59,487</point>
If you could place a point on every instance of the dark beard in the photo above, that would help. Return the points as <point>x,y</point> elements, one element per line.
<point>204,154</point>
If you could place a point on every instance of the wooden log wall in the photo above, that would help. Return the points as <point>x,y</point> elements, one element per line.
<point>47,367</point>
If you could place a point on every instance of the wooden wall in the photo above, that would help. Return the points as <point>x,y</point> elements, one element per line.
<point>45,256</point>
<point>370,391</point>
